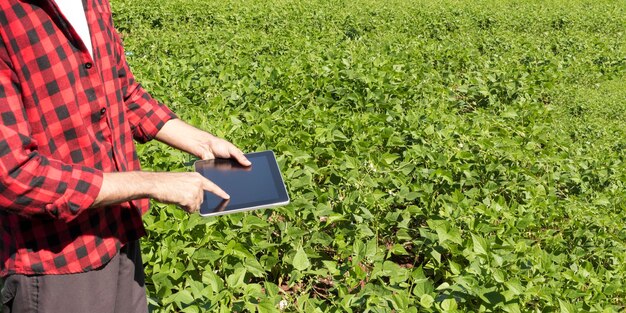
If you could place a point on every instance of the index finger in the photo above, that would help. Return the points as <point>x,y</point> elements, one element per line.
<point>215,189</point>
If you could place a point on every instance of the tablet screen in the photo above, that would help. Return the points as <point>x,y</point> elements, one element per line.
<point>250,187</point>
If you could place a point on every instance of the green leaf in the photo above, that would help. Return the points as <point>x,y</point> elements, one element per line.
<point>422,287</point>
<point>449,305</point>
<point>191,309</point>
<point>514,286</point>
<point>183,296</point>
<point>267,306</point>
<point>300,260</point>
<point>235,280</point>
<point>455,268</point>
<point>254,267</point>
<point>204,254</point>
<point>212,280</point>
<point>389,158</point>
<point>509,114</point>
<point>427,301</point>
<point>567,307</point>
<point>498,275</point>
<point>400,301</point>
<point>480,244</point>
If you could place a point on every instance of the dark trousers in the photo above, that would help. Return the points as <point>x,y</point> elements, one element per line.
<point>118,287</point>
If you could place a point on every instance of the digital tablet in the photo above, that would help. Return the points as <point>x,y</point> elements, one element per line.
<point>257,186</point>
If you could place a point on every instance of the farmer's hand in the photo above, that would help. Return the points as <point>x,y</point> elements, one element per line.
<point>185,189</point>
<point>185,137</point>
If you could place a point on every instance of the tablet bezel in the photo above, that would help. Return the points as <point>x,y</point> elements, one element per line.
<point>277,181</point>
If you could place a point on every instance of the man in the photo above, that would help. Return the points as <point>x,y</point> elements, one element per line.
<point>71,192</point>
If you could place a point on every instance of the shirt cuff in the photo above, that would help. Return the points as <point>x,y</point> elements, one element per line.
<point>152,121</point>
<point>82,185</point>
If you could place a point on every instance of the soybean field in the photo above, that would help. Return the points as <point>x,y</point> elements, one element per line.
<point>441,156</point>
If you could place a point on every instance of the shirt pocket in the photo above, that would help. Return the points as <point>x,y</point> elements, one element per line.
<point>9,288</point>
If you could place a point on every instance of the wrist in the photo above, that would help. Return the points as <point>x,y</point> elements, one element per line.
<point>180,135</point>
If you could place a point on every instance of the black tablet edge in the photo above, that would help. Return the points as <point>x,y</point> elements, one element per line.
<point>277,180</point>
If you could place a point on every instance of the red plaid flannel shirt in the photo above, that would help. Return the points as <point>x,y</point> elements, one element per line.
<point>65,119</point>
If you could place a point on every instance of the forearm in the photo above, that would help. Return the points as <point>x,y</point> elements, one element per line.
<point>124,186</point>
<point>180,135</point>
<point>185,189</point>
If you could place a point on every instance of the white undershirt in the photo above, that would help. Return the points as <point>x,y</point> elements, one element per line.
<point>75,13</point>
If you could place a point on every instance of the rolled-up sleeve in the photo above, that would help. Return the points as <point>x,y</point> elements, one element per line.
<point>145,115</point>
<point>31,183</point>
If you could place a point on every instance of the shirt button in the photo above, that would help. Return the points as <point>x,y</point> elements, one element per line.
<point>88,65</point>
<point>103,110</point>
<point>73,207</point>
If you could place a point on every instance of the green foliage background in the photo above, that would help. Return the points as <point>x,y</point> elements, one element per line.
<point>440,155</point>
